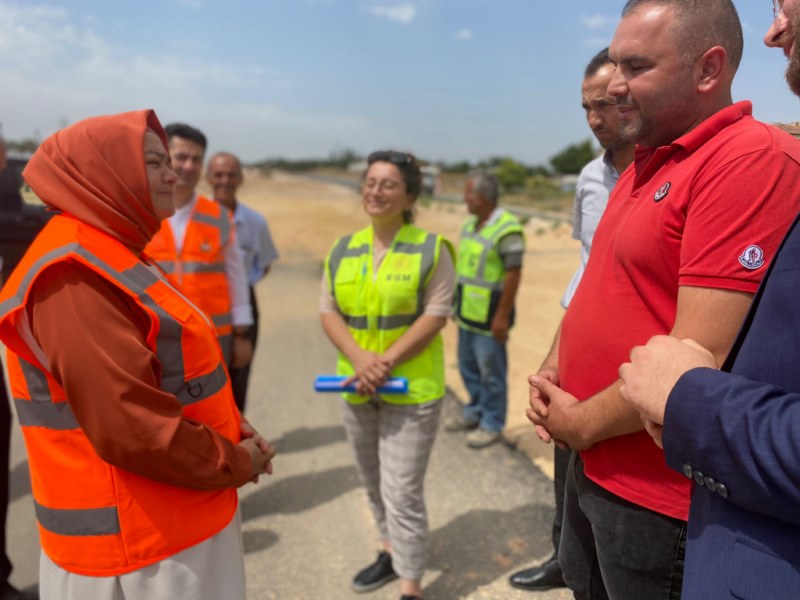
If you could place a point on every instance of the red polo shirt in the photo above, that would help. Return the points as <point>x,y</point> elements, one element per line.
<point>709,210</point>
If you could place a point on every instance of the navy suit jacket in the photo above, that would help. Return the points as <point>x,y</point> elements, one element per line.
<point>737,435</point>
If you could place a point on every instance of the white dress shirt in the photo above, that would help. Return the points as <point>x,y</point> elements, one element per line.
<point>595,183</point>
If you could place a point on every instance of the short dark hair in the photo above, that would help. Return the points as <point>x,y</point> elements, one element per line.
<point>599,60</point>
<point>702,24</point>
<point>186,132</point>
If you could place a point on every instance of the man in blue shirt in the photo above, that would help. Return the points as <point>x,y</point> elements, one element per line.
<point>224,174</point>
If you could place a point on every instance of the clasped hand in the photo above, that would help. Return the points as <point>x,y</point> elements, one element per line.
<point>652,373</point>
<point>261,451</point>
<point>552,411</point>
<point>372,371</point>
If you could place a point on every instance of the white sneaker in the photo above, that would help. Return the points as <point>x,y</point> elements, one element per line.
<point>459,423</point>
<point>480,438</point>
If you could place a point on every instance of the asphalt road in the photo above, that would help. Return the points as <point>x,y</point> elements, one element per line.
<point>307,528</point>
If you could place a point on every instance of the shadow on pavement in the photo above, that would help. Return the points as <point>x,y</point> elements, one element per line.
<point>256,540</point>
<point>299,493</point>
<point>480,546</point>
<point>303,438</point>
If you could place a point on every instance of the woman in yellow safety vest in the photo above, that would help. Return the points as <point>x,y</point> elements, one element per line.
<point>387,292</point>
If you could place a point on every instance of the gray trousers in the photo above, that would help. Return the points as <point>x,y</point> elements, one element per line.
<point>392,444</point>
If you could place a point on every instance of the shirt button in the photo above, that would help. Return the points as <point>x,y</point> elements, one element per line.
<point>698,478</point>
<point>722,490</point>
<point>687,471</point>
<point>710,483</point>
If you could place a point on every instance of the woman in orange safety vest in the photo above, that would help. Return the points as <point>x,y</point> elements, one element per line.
<point>135,445</point>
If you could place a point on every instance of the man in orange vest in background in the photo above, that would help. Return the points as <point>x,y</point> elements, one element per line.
<point>197,248</point>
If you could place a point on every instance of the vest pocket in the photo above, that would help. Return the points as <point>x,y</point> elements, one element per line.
<point>475,303</point>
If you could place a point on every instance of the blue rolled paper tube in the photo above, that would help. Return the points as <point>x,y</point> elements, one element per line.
<point>333,383</point>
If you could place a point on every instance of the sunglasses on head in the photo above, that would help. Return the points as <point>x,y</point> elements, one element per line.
<point>392,156</point>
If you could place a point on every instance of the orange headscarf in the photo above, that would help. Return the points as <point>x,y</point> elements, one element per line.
<point>95,171</point>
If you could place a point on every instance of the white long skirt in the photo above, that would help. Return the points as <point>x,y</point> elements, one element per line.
<point>211,570</point>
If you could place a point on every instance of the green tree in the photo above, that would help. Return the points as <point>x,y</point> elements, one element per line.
<point>511,175</point>
<point>457,167</point>
<point>573,158</point>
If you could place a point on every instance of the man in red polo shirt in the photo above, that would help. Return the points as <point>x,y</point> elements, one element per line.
<point>687,236</point>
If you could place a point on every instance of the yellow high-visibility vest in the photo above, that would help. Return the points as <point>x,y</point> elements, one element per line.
<point>480,271</point>
<point>379,307</point>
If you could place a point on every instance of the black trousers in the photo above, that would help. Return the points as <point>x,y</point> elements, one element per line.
<point>241,377</point>
<point>612,548</point>
<point>560,466</point>
<point>5,448</point>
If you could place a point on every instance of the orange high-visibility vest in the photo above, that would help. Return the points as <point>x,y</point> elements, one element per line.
<point>94,518</point>
<point>198,270</point>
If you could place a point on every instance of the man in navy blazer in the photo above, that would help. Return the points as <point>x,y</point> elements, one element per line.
<point>736,432</point>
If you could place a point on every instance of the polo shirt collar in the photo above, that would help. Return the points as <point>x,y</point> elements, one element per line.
<point>692,140</point>
<point>698,136</point>
<point>713,125</point>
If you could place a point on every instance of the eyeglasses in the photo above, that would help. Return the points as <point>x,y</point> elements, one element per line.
<point>392,156</point>
<point>777,11</point>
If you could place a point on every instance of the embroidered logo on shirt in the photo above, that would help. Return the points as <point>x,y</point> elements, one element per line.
<point>662,192</point>
<point>205,246</point>
<point>752,258</point>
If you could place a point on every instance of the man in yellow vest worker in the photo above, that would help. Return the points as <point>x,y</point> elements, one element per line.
<point>488,272</point>
<point>198,250</point>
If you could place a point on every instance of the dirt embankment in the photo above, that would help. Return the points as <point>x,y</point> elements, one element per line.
<point>306,216</point>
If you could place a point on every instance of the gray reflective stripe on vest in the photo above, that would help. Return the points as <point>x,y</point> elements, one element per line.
<point>203,387</point>
<point>169,266</point>
<point>78,522</point>
<point>168,343</point>
<point>356,322</point>
<point>497,286</point>
<point>426,249</point>
<point>337,254</point>
<point>488,244</point>
<point>40,410</point>
<point>136,279</point>
<point>396,321</point>
<point>201,267</point>
<point>392,322</point>
<point>341,251</point>
<point>222,223</point>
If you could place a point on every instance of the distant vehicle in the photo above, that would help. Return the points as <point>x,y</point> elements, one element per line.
<point>22,214</point>
<point>431,180</point>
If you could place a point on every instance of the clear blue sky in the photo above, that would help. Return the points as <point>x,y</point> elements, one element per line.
<point>447,79</point>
